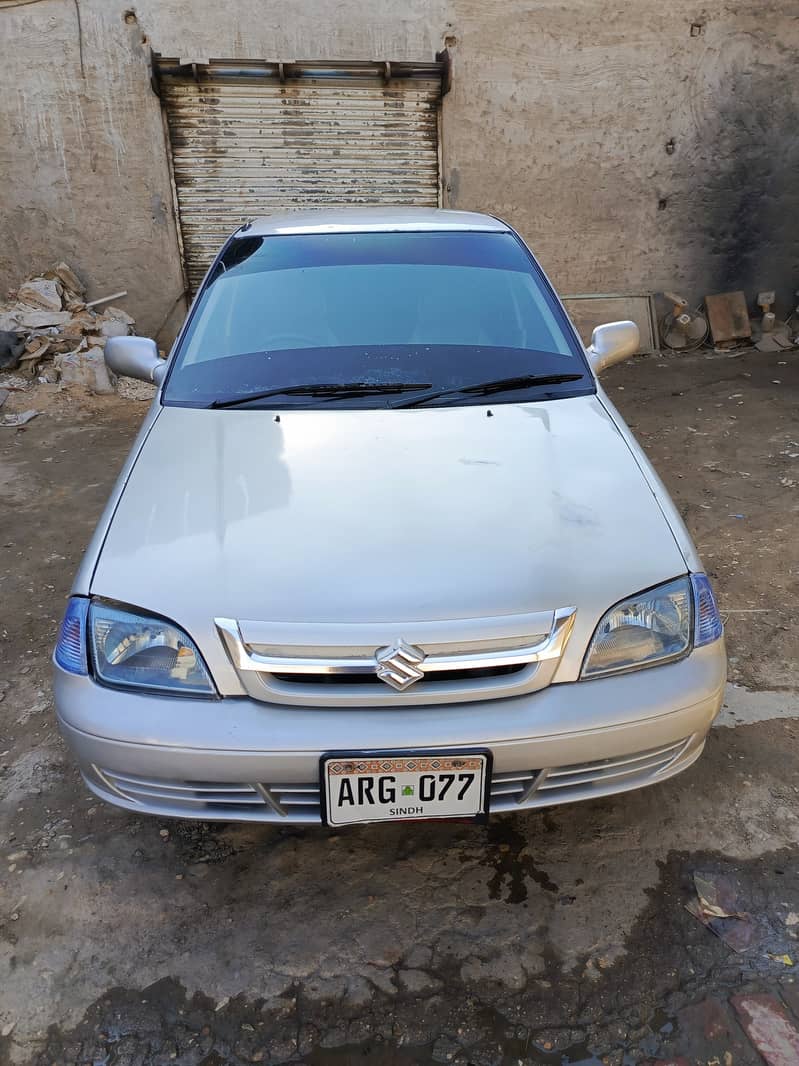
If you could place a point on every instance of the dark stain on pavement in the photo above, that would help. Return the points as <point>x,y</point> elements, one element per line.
<point>513,867</point>
<point>657,1000</point>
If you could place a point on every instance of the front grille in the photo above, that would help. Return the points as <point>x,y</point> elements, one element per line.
<point>190,794</point>
<point>510,790</point>
<point>237,801</point>
<point>565,784</point>
<point>441,676</point>
<point>398,663</point>
<point>605,769</point>
<point>300,800</point>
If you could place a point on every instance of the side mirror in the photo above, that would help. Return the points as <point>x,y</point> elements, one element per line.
<point>135,357</point>
<point>611,343</point>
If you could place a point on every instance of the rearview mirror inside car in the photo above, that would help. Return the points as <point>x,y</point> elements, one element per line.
<point>611,343</point>
<point>135,357</point>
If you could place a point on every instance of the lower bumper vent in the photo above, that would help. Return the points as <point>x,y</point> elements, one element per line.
<point>511,790</point>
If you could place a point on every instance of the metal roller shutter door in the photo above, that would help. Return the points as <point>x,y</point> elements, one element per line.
<point>246,143</point>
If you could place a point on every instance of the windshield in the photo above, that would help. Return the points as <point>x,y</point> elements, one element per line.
<point>440,310</point>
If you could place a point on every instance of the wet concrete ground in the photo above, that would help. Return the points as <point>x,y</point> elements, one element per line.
<point>553,937</point>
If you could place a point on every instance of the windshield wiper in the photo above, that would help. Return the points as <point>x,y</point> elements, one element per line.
<point>485,388</point>
<point>335,389</point>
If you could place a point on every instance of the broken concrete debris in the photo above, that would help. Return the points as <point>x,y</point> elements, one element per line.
<point>33,320</point>
<point>41,292</point>
<point>17,420</point>
<point>68,279</point>
<point>48,329</point>
<point>114,322</point>
<point>85,368</point>
<point>776,341</point>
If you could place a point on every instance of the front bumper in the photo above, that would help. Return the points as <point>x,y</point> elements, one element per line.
<point>238,759</point>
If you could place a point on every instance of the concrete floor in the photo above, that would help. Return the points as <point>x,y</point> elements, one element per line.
<point>551,937</point>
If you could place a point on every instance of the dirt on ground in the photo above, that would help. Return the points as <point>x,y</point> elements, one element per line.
<point>557,936</point>
<point>723,433</point>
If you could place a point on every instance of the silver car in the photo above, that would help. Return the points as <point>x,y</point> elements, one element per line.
<point>383,548</point>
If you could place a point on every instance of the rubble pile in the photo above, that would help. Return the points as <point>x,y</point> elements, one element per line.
<point>49,331</point>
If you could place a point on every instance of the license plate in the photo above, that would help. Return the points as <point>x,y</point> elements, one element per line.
<point>392,787</point>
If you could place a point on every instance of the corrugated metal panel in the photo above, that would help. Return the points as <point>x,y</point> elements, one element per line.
<point>246,144</point>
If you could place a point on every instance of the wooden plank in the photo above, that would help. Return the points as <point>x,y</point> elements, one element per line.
<point>728,316</point>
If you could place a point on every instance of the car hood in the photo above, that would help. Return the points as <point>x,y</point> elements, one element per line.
<point>358,516</point>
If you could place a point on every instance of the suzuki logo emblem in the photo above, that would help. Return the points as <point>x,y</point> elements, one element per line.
<point>398,665</point>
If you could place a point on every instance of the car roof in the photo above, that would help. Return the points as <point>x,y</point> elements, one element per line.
<point>370,220</point>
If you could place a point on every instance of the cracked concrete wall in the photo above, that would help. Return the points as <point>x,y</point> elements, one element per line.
<point>631,153</point>
<point>642,146</point>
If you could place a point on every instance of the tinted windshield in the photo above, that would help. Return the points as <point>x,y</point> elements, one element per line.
<point>439,310</point>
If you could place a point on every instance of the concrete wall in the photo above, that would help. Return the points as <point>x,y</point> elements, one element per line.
<point>559,120</point>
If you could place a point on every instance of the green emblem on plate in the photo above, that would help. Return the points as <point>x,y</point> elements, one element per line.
<point>407,790</point>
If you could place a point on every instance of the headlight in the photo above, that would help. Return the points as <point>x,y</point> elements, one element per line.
<point>132,650</point>
<point>652,627</point>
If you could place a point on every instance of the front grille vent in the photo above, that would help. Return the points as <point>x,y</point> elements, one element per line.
<point>510,790</point>
<point>376,682</point>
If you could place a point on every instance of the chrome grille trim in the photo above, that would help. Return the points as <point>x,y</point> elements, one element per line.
<point>339,666</point>
<point>244,658</point>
